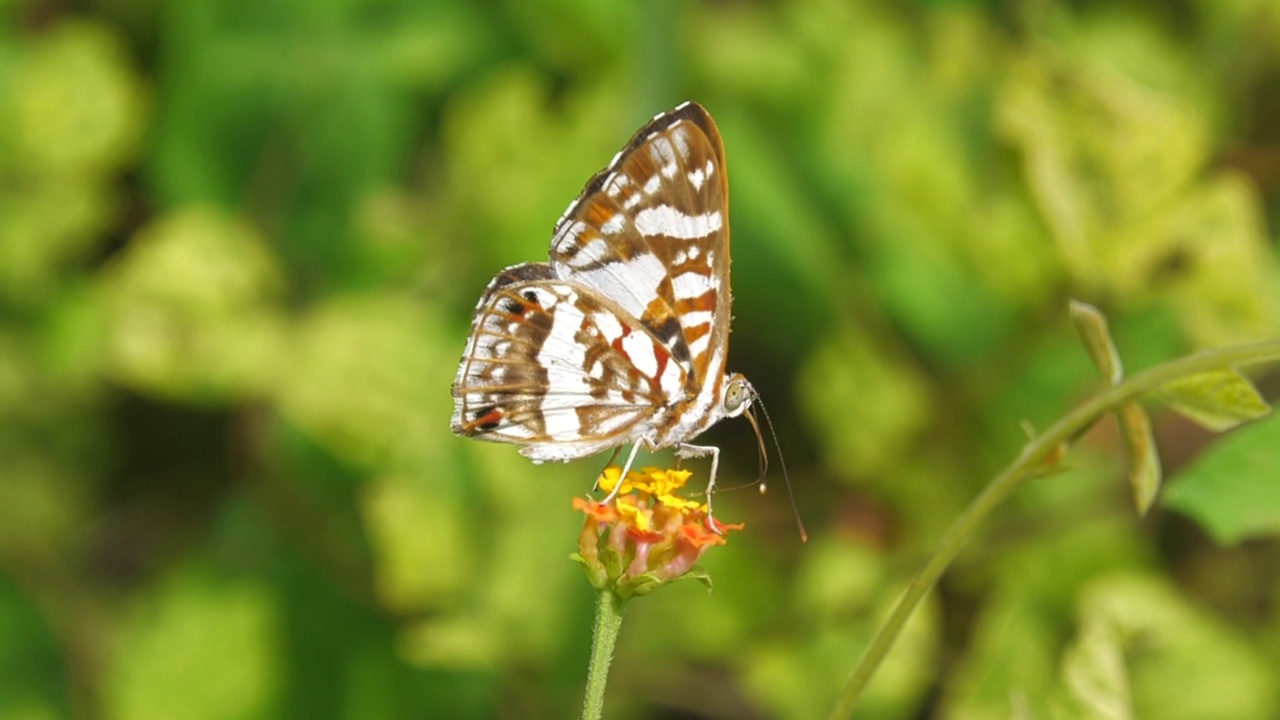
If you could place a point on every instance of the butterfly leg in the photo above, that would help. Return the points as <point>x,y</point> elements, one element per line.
<point>635,448</point>
<point>685,450</point>
<point>612,456</point>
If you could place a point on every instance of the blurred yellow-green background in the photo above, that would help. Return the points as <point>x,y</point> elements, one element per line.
<point>240,242</point>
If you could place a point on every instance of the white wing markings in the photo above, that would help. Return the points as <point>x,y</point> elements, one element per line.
<point>563,358</point>
<point>691,285</point>
<point>667,220</point>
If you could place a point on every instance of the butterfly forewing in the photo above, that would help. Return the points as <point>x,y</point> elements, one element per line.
<point>651,231</point>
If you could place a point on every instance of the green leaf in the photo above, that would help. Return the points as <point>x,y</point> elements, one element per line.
<point>1209,260</point>
<point>28,688</point>
<point>1013,659</point>
<point>1144,461</point>
<point>415,570</point>
<point>72,113</point>
<point>200,647</point>
<point>639,585</point>
<point>78,106</point>
<point>190,309</point>
<point>1094,672</point>
<point>1091,324</point>
<point>1218,400</point>
<point>1233,489</point>
<point>856,379</point>
<point>1102,150</point>
<point>1179,661</point>
<point>697,573</point>
<point>596,574</point>
<point>397,349</point>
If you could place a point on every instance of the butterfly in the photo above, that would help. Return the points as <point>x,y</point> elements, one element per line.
<point>622,337</point>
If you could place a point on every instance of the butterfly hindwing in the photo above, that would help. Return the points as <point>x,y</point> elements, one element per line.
<point>556,367</point>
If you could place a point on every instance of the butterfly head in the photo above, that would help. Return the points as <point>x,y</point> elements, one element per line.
<point>738,395</point>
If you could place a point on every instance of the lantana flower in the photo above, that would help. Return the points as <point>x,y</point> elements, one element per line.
<point>647,535</point>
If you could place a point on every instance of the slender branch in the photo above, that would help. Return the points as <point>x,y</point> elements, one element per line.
<point>1011,478</point>
<point>608,623</point>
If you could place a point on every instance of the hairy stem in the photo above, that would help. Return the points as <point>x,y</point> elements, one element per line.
<point>608,623</point>
<point>1011,478</point>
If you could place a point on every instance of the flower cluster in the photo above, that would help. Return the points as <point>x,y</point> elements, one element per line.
<point>647,535</point>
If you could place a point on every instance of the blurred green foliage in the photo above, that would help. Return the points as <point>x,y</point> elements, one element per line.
<point>239,247</point>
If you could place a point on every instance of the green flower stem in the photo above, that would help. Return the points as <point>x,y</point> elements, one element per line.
<point>609,607</point>
<point>1011,478</point>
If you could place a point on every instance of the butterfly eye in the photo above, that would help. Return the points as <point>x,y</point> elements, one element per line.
<point>736,395</point>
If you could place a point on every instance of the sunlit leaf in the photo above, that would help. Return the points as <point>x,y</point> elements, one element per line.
<point>837,576</point>
<point>1233,488</point>
<point>904,172</point>
<point>416,528</point>
<point>1091,325</point>
<point>451,642</point>
<point>501,133</point>
<point>72,112</point>
<point>1095,675</point>
<point>1209,259</point>
<point>1011,657</point>
<point>432,43</point>
<point>198,647</point>
<point>1219,400</point>
<point>1012,660</point>
<point>795,674</point>
<point>79,106</point>
<point>1101,151</point>
<point>369,380</point>
<point>190,309</point>
<point>1119,169</point>
<point>864,403</point>
<point>1182,661</point>
<point>514,604</point>
<point>1144,460</point>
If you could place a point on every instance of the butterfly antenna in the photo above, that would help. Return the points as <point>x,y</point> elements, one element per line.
<point>764,464</point>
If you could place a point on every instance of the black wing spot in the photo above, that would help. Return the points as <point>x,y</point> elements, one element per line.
<point>530,295</point>
<point>672,334</point>
<point>668,329</point>
<point>515,307</point>
<point>490,415</point>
